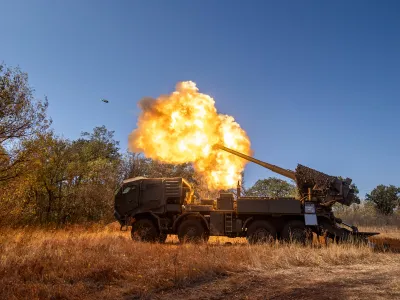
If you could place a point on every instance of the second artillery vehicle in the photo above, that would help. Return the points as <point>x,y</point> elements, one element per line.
<point>156,207</point>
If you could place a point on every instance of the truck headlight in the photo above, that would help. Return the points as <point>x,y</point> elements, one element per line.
<point>309,208</point>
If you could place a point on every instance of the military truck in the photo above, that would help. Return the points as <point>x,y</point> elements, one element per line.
<point>156,207</point>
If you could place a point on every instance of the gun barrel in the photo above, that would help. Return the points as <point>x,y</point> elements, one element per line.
<point>284,172</point>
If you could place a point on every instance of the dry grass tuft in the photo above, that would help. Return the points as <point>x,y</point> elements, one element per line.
<point>103,262</point>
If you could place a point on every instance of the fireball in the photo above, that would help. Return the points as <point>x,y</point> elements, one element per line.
<point>183,127</point>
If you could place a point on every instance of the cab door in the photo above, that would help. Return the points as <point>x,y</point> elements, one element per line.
<point>128,200</point>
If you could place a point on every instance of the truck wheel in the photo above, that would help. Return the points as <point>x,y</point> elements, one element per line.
<point>163,238</point>
<point>260,232</point>
<point>296,231</point>
<point>192,231</point>
<point>144,230</point>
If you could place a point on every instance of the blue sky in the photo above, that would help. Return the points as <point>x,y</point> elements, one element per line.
<point>312,82</point>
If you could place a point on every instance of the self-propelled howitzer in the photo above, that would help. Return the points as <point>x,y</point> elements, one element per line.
<point>311,184</point>
<point>157,207</point>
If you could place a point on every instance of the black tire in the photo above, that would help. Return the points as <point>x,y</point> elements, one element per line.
<point>296,232</point>
<point>144,230</point>
<point>192,231</point>
<point>163,238</point>
<point>260,231</point>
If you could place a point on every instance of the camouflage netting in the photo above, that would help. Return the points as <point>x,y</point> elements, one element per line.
<point>307,177</point>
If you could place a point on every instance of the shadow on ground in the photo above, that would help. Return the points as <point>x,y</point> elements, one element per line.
<point>355,282</point>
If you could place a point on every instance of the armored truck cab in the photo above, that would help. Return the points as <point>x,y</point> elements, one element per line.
<point>156,207</point>
<point>158,196</point>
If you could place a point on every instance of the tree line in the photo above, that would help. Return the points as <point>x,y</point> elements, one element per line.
<point>47,179</point>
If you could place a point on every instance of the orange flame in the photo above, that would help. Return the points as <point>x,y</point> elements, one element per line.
<point>183,127</point>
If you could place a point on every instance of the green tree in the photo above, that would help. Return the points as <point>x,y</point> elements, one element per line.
<point>34,192</point>
<point>272,187</point>
<point>94,175</point>
<point>21,117</point>
<point>64,181</point>
<point>102,143</point>
<point>385,198</point>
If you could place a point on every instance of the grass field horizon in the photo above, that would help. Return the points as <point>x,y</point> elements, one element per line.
<point>103,262</point>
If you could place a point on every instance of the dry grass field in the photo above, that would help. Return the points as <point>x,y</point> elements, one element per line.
<point>103,263</point>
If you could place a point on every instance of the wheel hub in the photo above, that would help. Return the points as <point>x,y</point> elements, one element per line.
<point>262,235</point>
<point>298,234</point>
<point>191,232</point>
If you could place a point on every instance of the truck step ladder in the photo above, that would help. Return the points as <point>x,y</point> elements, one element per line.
<point>228,222</point>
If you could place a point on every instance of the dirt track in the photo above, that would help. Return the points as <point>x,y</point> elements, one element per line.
<point>355,282</point>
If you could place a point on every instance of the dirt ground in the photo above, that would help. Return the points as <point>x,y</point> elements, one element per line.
<point>374,281</point>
